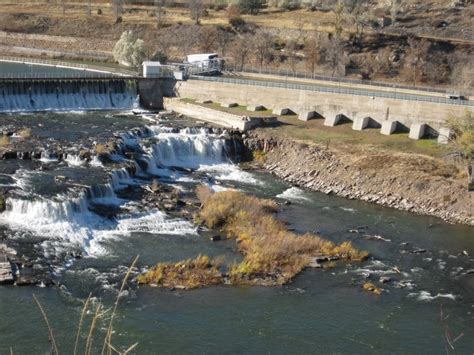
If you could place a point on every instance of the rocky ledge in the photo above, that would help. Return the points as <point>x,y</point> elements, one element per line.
<point>410,182</point>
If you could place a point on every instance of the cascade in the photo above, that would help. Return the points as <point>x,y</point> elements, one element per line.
<point>188,148</point>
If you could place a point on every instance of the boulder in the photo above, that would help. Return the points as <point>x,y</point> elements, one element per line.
<point>6,274</point>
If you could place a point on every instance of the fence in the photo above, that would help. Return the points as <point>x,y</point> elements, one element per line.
<point>335,90</point>
<point>308,75</point>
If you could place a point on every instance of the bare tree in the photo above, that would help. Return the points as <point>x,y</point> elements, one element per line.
<point>160,11</point>
<point>89,8</point>
<point>335,56</point>
<point>223,40</point>
<point>187,38</point>
<point>338,22</point>
<point>300,24</point>
<point>196,8</point>
<point>358,15</point>
<point>240,50</point>
<point>207,38</point>
<point>416,57</point>
<point>394,8</point>
<point>462,73</point>
<point>117,9</point>
<point>313,51</point>
<point>262,43</point>
<point>292,55</point>
<point>381,64</point>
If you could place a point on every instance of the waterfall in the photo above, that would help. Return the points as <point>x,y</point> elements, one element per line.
<point>41,211</point>
<point>186,149</point>
<point>30,96</point>
<point>80,219</point>
<point>121,179</point>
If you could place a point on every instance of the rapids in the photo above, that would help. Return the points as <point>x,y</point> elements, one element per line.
<point>83,217</point>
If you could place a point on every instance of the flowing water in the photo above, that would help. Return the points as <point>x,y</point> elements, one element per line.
<point>431,293</point>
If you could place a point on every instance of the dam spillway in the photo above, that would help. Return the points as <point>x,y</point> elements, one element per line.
<point>66,95</point>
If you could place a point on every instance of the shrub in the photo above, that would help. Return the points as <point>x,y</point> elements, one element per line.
<point>252,7</point>
<point>272,254</point>
<point>259,157</point>
<point>289,5</point>
<point>160,57</point>
<point>191,273</point>
<point>237,22</point>
<point>270,250</point>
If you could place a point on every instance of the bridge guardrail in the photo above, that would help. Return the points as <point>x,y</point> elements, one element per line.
<point>336,90</point>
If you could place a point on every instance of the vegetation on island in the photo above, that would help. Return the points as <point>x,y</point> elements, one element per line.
<point>272,255</point>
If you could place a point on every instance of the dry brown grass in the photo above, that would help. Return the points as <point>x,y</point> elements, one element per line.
<point>104,149</point>
<point>189,274</point>
<point>4,141</point>
<point>24,133</point>
<point>271,252</point>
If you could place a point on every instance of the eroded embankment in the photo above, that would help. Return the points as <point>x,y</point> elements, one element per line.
<point>410,182</point>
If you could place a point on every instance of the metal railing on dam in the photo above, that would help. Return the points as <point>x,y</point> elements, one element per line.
<point>288,73</point>
<point>335,90</point>
<point>82,69</point>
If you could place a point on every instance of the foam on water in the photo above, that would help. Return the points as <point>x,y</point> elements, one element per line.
<point>425,296</point>
<point>230,172</point>
<point>74,160</point>
<point>95,162</point>
<point>293,193</point>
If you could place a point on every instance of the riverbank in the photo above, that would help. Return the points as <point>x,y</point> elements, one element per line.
<point>412,182</point>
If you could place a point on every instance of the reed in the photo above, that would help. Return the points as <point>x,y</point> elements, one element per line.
<point>92,332</point>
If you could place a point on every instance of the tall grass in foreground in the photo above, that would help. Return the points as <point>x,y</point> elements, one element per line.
<point>91,331</point>
<point>272,254</point>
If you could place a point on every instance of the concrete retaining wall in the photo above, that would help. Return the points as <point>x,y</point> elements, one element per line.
<point>220,118</point>
<point>152,91</point>
<point>325,104</point>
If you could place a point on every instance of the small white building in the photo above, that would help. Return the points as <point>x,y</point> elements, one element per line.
<point>151,69</point>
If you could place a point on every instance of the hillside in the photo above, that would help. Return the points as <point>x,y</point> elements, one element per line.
<point>375,38</point>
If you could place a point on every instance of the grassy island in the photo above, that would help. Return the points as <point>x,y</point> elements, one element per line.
<point>272,254</point>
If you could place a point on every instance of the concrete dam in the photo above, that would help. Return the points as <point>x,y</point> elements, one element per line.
<point>101,93</point>
<point>422,114</point>
<point>419,113</point>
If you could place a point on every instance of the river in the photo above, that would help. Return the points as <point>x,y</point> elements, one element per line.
<point>323,310</point>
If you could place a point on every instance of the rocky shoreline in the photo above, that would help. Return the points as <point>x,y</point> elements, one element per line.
<point>408,182</point>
